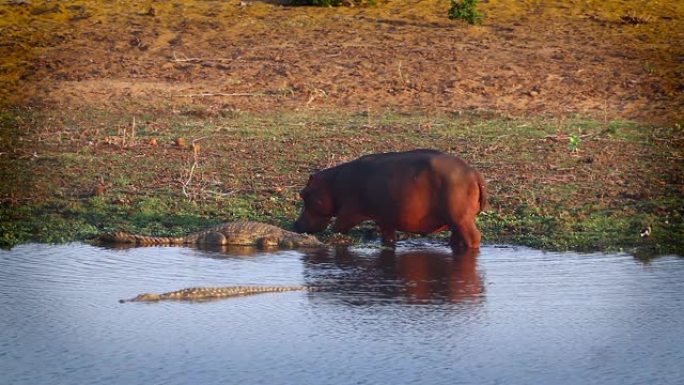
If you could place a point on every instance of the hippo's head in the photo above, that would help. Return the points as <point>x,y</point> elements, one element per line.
<point>319,206</point>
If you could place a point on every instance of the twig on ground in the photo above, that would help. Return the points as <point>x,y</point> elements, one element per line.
<point>314,94</point>
<point>195,161</point>
<point>187,182</point>
<point>220,194</point>
<point>199,59</point>
<point>203,94</point>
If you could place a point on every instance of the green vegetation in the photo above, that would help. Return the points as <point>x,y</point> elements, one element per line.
<point>97,145</point>
<point>574,142</point>
<point>465,10</point>
<point>251,166</point>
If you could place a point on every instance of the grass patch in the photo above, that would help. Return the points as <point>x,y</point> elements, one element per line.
<point>251,166</point>
<point>465,10</point>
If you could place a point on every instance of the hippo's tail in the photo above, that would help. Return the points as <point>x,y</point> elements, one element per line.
<point>483,191</point>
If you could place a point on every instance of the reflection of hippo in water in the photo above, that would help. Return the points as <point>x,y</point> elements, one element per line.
<point>431,274</point>
<point>419,275</point>
<point>422,192</point>
<point>357,277</point>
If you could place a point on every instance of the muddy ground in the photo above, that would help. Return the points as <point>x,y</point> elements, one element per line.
<point>278,91</point>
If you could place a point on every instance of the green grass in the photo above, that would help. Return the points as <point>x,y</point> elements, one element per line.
<point>623,177</point>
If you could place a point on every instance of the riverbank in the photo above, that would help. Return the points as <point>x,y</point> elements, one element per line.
<point>554,184</point>
<point>166,117</point>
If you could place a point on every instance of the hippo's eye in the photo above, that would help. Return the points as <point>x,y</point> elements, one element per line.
<point>312,199</point>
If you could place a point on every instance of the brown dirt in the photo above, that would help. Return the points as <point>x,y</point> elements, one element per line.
<point>605,59</point>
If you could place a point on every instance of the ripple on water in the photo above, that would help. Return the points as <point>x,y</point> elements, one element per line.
<point>420,314</point>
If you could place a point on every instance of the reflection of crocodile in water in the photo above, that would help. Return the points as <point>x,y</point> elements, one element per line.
<point>209,293</point>
<point>240,233</point>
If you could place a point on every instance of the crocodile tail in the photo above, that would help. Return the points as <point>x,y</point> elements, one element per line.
<point>123,237</point>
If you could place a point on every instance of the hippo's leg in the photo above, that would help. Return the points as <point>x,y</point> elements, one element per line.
<point>213,238</point>
<point>465,234</point>
<point>344,222</point>
<point>389,236</point>
<point>456,239</point>
<point>463,209</point>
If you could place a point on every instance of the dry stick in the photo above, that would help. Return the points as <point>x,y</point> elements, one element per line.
<point>185,185</point>
<point>133,130</point>
<point>314,95</point>
<point>222,94</point>
<point>187,59</point>
<point>201,60</point>
<point>195,156</point>
<point>401,76</point>
<point>220,194</point>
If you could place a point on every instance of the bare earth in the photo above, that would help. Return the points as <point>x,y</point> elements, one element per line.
<point>603,59</point>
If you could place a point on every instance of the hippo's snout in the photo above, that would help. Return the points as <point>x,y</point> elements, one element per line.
<point>298,227</point>
<point>307,223</point>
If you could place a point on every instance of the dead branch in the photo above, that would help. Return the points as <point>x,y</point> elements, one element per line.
<point>199,59</point>
<point>203,94</point>
<point>187,182</point>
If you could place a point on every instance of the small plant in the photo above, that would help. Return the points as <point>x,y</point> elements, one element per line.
<point>649,68</point>
<point>574,142</point>
<point>465,10</point>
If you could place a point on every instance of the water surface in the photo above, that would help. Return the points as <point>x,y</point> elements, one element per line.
<point>418,315</point>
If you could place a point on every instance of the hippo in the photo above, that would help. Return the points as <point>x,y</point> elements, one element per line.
<point>419,191</point>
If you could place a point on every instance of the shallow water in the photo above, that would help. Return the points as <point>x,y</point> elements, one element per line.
<point>418,315</point>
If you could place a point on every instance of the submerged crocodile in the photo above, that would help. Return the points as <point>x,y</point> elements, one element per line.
<point>241,233</point>
<point>210,293</point>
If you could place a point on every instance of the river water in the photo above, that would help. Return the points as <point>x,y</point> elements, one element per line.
<point>419,315</point>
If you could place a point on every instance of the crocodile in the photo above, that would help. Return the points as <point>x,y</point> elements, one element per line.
<point>211,293</point>
<point>240,233</point>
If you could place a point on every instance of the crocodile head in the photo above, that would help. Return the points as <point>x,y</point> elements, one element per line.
<point>147,297</point>
<point>302,240</point>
